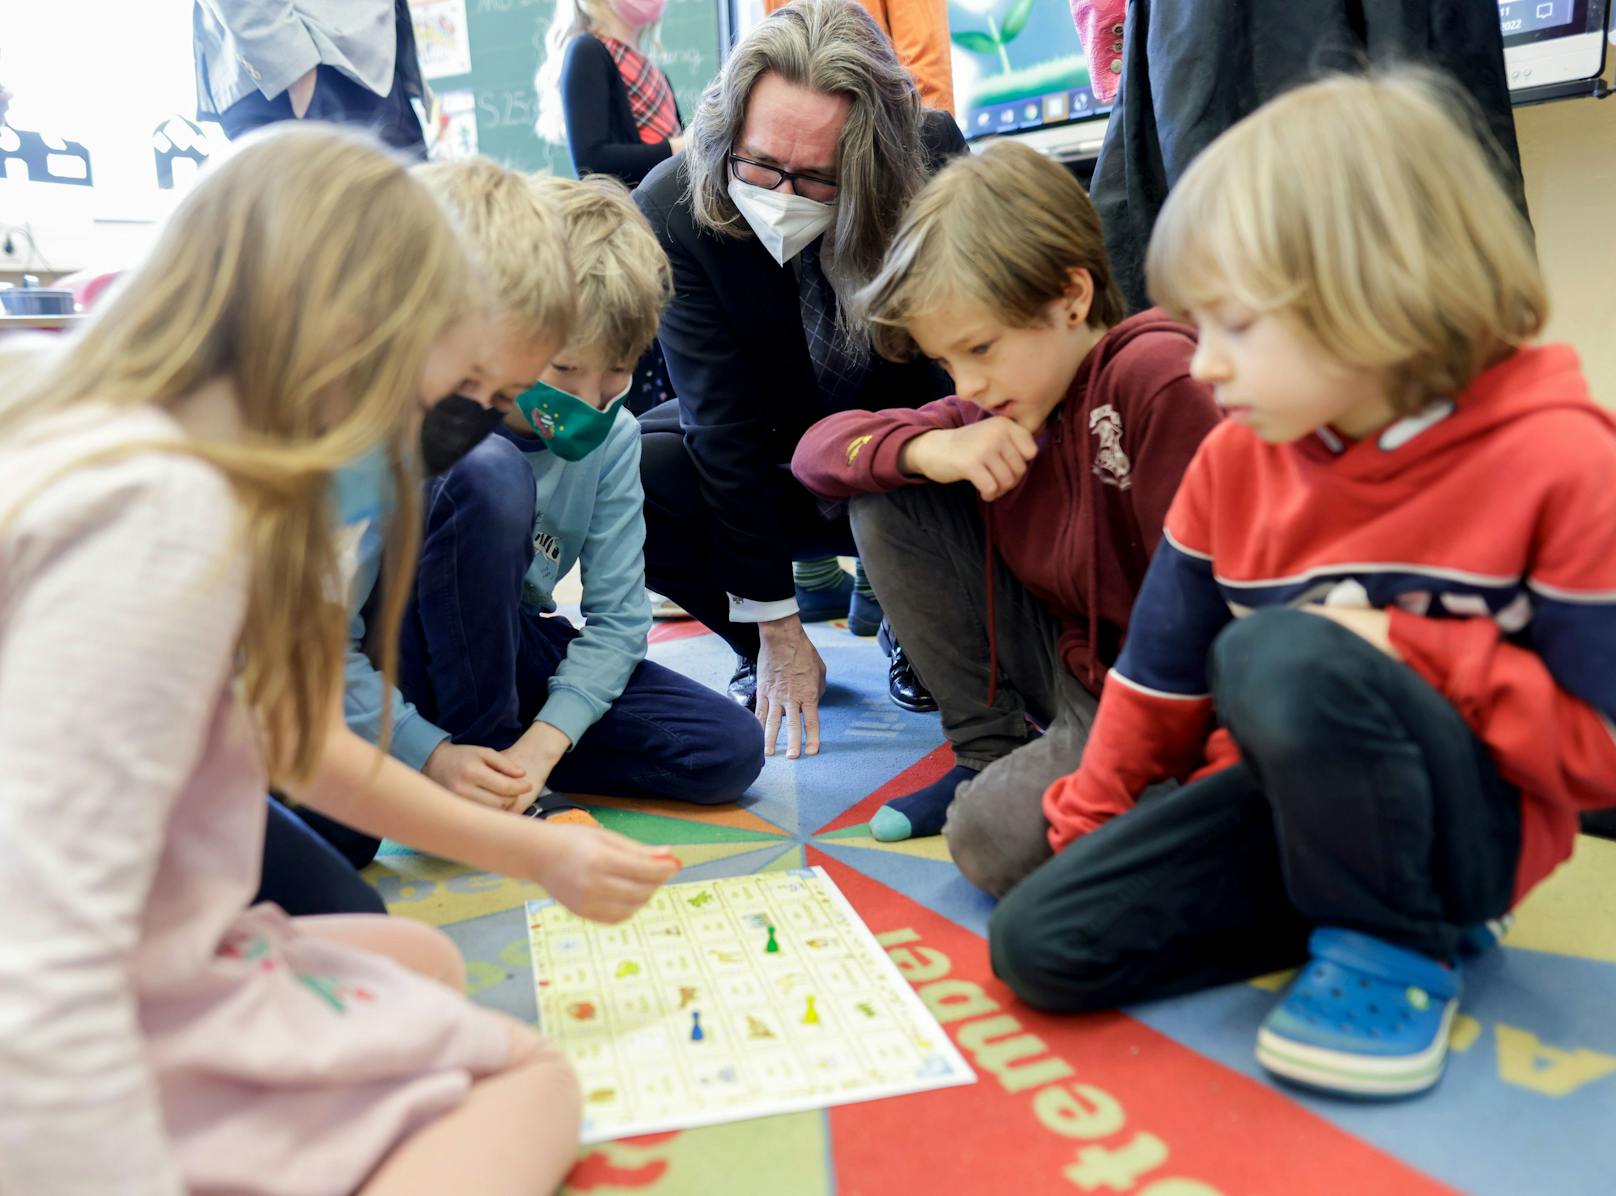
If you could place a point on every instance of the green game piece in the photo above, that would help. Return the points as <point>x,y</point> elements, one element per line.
<point>773,948</point>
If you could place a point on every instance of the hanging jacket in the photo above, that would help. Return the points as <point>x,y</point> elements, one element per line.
<point>1192,68</point>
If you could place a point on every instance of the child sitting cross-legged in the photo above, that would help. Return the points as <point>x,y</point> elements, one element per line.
<point>1007,529</point>
<point>483,655</point>
<point>1390,576</point>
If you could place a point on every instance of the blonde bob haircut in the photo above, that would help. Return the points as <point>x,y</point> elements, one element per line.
<point>515,236</point>
<point>1368,210</point>
<point>624,279</point>
<point>1001,231</point>
<point>311,274</point>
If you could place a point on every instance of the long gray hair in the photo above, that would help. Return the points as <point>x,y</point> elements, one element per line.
<point>835,47</point>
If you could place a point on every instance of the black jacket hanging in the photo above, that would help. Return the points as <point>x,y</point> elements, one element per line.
<point>1192,68</point>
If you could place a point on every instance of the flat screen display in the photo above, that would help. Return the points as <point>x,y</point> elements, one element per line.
<point>1534,20</point>
<point>1551,42</point>
<point>1018,66</point>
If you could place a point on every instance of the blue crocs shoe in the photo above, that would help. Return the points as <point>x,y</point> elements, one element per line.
<point>1484,936</point>
<point>1362,1018</point>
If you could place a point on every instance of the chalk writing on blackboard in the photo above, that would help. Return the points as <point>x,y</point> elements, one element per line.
<point>500,108</point>
<point>507,5</point>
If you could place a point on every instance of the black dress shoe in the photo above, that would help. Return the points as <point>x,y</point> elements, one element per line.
<point>743,684</point>
<point>905,685</point>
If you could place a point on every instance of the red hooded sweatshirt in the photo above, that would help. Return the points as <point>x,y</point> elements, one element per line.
<point>1079,529</point>
<point>1486,526</point>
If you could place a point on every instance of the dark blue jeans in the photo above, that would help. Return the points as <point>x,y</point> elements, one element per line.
<point>1363,801</point>
<point>304,873</point>
<point>476,663</point>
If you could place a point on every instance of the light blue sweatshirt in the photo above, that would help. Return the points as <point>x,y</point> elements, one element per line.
<point>362,495</point>
<point>590,513</point>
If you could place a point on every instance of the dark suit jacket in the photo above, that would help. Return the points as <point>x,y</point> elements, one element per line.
<point>601,133</point>
<point>739,363</point>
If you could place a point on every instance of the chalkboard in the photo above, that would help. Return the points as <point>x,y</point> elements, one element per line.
<point>507,43</point>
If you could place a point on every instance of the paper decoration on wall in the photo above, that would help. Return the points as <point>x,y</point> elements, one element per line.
<point>456,126</point>
<point>441,39</point>
<point>179,140</point>
<point>40,158</point>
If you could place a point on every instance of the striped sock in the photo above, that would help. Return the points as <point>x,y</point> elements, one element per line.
<point>861,583</point>
<point>823,574</point>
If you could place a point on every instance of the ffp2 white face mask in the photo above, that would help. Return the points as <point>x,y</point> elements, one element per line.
<point>786,224</point>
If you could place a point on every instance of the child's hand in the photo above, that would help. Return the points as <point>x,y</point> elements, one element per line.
<point>477,774</point>
<point>537,753</point>
<point>1371,625</point>
<point>992,455</point>
<point>599,874</point>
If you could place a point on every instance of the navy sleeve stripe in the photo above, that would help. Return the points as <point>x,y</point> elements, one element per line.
<point>1175,619</point>
<point>1577,641</point>
<point>1349,568</point>
<point>1583,597</point>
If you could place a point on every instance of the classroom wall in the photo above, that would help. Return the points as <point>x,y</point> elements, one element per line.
<point>1568,154</point>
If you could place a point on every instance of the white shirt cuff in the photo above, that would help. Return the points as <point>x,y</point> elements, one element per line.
<point>748,610</point>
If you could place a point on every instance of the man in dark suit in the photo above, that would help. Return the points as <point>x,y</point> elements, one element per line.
<point>800,161</point>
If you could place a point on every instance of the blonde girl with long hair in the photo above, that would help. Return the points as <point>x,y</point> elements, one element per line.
<point>171,642</point>
<point>600,95</point>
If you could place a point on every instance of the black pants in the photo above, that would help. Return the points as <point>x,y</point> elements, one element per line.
<point>340,100</point>
<point>310,865</point>
<point>1364,801</point>
<point>680,528</point>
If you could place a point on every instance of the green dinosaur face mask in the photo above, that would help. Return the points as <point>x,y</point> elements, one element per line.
<point>569,427</point>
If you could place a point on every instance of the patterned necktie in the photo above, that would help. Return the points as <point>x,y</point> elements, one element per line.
<point>840,374</point>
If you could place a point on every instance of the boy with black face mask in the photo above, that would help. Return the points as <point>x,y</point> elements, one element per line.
<point>483,654</point>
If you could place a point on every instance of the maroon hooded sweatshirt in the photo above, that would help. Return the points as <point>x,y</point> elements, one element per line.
<point>1079,530</point>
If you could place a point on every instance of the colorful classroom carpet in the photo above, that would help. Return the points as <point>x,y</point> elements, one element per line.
<point>1163,1099</point>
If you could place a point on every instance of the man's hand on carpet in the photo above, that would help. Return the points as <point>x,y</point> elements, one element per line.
<point>790,682</point>
<point>477,774</point>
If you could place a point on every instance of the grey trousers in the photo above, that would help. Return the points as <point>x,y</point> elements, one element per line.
<point>924,548</point>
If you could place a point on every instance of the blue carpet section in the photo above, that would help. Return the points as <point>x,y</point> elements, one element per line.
<point>1532,1094</point>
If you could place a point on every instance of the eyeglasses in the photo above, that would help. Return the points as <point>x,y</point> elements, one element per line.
<point>769,177</point>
